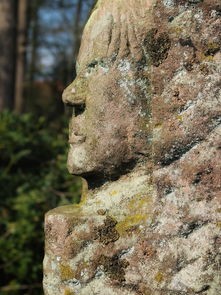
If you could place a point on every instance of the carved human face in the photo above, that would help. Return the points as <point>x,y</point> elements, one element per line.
<point>108,128</point>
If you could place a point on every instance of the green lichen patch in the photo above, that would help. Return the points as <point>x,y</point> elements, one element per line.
<point>107,233</point>
<point>114,267</point>
<point>157,47</point>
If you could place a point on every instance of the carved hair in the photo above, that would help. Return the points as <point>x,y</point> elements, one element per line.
<point>116,29</point>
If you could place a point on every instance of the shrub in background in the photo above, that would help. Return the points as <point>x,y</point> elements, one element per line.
<point>33,180</point>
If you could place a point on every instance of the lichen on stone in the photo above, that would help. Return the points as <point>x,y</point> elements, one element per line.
<point>107,233</point>
<point>159,277</point>
<point>69,292</point>
<point>131,222</point>
<point>66,273</point>
<point>148,222</point>
<point>157,46</point>
<point>212,48</point>
<point>114,267</point>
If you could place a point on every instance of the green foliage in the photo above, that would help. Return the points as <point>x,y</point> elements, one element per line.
<point>33,180</point>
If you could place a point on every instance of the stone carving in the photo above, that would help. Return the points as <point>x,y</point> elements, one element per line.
<point>146,138</point>
<point>112,92</point>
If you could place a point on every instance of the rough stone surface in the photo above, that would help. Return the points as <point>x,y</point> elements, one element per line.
<point>146,137</point>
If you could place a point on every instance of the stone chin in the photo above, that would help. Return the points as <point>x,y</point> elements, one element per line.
<point>77,162</point>
<point>80,163</point>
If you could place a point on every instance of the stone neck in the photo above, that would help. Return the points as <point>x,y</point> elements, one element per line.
<point>112,195</point>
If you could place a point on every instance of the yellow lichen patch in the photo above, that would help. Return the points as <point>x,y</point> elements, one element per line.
<point>98,202</point>
<point>130,222</point>
<point>159,277</point>
<point>180,118</point>
<point>158,125</point>
<point>175,31</point>
<point>138,202</point>
<point>66,273</point>
<point>218,224</point>
<point>113,193</point>
<point>203,57</point>
<point>212,48</point>
<point>68,292</point>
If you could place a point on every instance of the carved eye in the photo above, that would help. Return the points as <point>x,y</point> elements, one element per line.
<point>93,64</point>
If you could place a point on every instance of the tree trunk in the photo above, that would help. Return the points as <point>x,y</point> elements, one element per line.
<point>77,27</point>
<point>20,60</point>
<point>7,52</point>
<point>33,38</point>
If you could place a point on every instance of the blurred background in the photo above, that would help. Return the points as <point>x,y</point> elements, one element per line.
<point>39,41</point>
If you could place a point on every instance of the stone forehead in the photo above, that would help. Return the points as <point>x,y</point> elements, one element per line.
<point>115,29</point>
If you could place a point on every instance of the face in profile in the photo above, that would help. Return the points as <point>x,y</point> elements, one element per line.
<point>108,129</point>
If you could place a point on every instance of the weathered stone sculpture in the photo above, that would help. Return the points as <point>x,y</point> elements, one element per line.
<point>146,137</point>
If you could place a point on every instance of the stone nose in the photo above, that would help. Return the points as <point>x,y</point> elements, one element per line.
<point>75,93</point>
